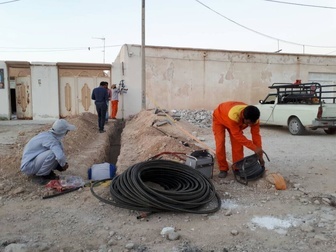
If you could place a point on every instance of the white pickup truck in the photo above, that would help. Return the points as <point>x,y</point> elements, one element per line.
<point>300,106</point>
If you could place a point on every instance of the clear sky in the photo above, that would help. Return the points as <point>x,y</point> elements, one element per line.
<point>63,30</point>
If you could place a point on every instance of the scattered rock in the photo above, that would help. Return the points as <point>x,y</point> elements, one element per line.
<point>306,228</point>
<point>16,247</point>
<point>173,236</point>
<point>129,245</point>
<point>234,232</point>
<point>18,190</point>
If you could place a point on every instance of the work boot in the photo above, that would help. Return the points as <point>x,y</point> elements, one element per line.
<point>222,174</point>
<point>51,176</point>
<point>60,168</point>
<point>43,180</point>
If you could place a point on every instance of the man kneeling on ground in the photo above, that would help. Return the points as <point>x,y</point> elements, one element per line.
<point>44,152</point>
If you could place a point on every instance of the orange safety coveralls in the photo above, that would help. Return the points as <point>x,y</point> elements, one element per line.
<point>114,105</point>
<point>229,116</point>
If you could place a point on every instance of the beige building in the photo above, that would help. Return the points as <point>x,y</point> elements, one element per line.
<point>46,91</point>
<point>185,78</point>
<point>176,78</point>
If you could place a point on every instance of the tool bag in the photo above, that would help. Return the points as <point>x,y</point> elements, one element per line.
<point>202,161</point>
<point>248,168</point>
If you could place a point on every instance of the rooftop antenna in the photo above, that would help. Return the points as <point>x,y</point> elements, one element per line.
<point>103,39</point>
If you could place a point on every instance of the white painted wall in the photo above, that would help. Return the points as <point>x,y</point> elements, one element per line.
<point>127,67</point>
<point>45,93</point>
<point>5,95</point>
<point>185,78</point>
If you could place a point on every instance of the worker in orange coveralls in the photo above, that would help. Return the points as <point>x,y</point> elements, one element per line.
<point>114,101</point>
<point>234,117</point>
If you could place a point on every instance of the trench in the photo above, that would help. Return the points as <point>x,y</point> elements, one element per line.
<point>113,149</point>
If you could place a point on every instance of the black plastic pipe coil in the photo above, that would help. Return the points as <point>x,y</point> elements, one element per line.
<point>181,189</point>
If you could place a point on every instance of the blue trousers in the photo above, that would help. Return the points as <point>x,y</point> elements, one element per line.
<point>101,108</point>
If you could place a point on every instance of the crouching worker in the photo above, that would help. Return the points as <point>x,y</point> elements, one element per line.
<point>44,152</point>
<point>234,117</point>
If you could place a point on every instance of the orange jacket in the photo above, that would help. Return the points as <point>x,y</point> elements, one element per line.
<point>230,115</point>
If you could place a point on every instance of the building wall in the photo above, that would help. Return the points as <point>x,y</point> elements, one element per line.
<point>183,78</point>
<point>4,94</point>
<point>127,67</point>
<point>45,94</point>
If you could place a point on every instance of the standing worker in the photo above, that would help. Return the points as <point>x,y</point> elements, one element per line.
<point>114,101</point>
<point>108,103</point>
<point>100,95</point>
<point>234,117</point>
<point>44,152</point>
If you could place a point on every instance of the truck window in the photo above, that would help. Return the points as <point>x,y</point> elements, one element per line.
<point>270,99</point>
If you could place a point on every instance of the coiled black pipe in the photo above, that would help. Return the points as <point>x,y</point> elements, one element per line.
<point>181,189</point>
<point>249,168</point>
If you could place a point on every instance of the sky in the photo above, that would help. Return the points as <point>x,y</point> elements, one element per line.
<point>77,30</point>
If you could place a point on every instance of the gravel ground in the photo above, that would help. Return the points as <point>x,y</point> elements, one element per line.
<point>255,217</point>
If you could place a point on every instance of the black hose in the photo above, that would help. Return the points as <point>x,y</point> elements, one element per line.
<point>163,186</point>
<point>61,193</point>
<point>249,168</point>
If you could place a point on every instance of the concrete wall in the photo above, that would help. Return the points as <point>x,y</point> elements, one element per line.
<point>183,78</point>
<point>45,96</point>
<point>127,67</point>
<point>4,94</point>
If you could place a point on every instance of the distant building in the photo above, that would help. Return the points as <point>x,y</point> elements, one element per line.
<point>176,78</point>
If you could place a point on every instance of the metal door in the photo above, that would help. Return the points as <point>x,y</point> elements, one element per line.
<point>23,98</point>
<point>68,94</point>
<point>84,91</point>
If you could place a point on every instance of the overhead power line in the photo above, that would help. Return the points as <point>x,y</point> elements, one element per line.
<point>260,33</point>
<point>44,50</point>
<point>305,5</point>
<point>9,1</point>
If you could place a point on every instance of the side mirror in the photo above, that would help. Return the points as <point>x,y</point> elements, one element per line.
<point>261,101</point>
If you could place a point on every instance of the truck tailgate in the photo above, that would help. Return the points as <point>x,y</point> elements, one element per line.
<point>329,110</point>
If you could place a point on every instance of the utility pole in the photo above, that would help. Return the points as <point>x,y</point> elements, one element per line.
<point>143,58</point>
<point>103,39</point>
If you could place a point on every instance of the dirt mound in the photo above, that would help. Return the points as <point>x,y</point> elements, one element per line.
<point>141,140</point>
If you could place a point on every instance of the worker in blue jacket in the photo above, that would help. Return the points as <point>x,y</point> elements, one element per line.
<point>101,98</point>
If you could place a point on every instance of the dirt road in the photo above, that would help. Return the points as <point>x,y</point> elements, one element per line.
<point>256,217</point>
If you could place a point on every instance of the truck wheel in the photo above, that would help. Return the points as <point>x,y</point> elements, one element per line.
<point>295,127</point>
<point>330,131</point>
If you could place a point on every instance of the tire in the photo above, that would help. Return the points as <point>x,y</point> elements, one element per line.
<point>330,131</point>
<point>295,126</point>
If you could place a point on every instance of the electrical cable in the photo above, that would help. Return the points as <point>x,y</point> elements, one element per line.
<point>305,5</point>
<point>248,168</point>
<point>46,50</point>
<point>260,33</point>
<point>163,186</point>
<point>7,2</point>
